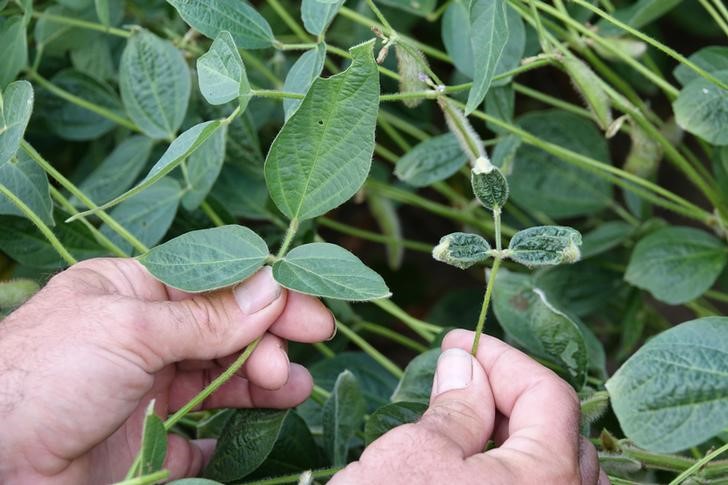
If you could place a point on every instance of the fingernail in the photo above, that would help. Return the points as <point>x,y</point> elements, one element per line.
<point>336,328</point>
<point>454,371</point>
<point>257,292</point>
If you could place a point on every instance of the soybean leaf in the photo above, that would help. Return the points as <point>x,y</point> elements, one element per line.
<point>245,443</point>
<point>16,105</point>
<point>203,168</point>
<point>712,58</point>
<point>462,250</point>
<point>95,59</point>
<point>249,29</point>
<point>57,38</point>
<point>676,264</point>
<point>545,246</point>
<point>207,259</point>
<point>420,7</point>
<point>672,393</point>
<point>221,72</point>
<point>343,416</point>
<point>302,74</point>
<point>701,108</point>
<point>391,416</point>
<point>431,161</point>
<point>637,15</point>
<point>489,184</point>
<point>27,181</point>
<point>605,237</point>
<point>554,186</point>
<point>118,170</point>
<point>317,15</point>
<point>416,384</point>
<point>242,147</point>
<point>102,11</point>
<point>294,451</point>
<point>514,48</point>
<point>13,49</point>
<point>489,35</point>
<point>456,35</point>
<point>155,84</point>
<point>148,215</point>
<point>182,147</point>
<point>242,193</point>
<point>536,325</point>
<point>71,121</point>
<point>330,271</point>
<point>322,155</point>
<point>154,443</point>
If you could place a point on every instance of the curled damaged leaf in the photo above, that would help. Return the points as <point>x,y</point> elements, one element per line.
<point>489,184</point>
<point>545,246</point>
<point>462,250</point>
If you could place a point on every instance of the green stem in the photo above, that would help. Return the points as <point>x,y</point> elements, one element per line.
<point>296,47</point>
<point>325,350</point>
<point>66,184</point>
<point>94,108</point>
<point>394,135</point>
<point>721,8</point>
<point>434,16</point>
<point>213,386</point>
<point>288,238</point>
<point>281,11</point>
<point>342,53</point>
<point>423,329</point>
<point>252,61</point>
<point>716,16</point>
<point>551,100</point>
<point>378,13</point>
<point>42,227</point>
<point>404,126</point>
<point>542,39</point>
<point>210,213</point>
<point>392,335</point>
<point>497,224</point>
<point>294,478</point>
<point>486,302</point>
<point>370,350</point>
<point>699,464</point>
<point>82,24</point>
<point>150,479</point>
<point>275,94</point>
<point>372,236</point>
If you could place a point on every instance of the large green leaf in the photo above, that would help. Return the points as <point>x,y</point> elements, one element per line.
<point>330,271</point>
<point>712,58</point>
<point>489,35</point>
<point>514,48</point>
<point>701,108</point>
<point>343,416</point>
<point>551,185</point>
<point>318,14</point>
<point>147,215</point>
<point>203,168</point>
<point>16,105</point>
<point>249,29</point>
<point>27,181</point>
<point>221,71</point>
<point>416,384</point>
<point>322,155</point>
<point>390,416</point>
<point>302,74</point>
<point>673,393</point>
<point>246,442</point>
<point>155,84</point>
<point>431,161</point>
<point>677,264</point>
<point>534,324</point>
<point>207,259</point>
<point>456,35</point>
<point>13,49</point>
<point>295,450</point>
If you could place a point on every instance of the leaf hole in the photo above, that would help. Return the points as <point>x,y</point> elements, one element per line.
<point>320,122</point>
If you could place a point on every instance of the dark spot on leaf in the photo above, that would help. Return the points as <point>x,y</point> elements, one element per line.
<point>321,122</point>
<point>519,302</point>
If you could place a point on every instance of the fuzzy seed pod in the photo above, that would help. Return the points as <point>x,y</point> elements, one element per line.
<point>644,154</point>
<point>459,126</point>
<point>411,64</point>
<point>489,184</point>
<point>589,86</point>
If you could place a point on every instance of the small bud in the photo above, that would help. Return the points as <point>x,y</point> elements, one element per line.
<point>545,246</point>
<point>459,126</point>
<point>589,86</point>
<point>489,184</point>
<point>462,250</point>
<point>411,64</point>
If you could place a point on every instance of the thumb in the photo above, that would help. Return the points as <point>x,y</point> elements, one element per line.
<point>210,325</point>
<point>462,411</point>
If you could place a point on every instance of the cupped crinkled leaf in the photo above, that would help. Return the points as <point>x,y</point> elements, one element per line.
<point>154,443</point>
<point>246,442</point>
<point>489,35</point>
<point>701,108</point>
<point>390,416</point>
<point>207,259</point>
<point>462,250</point>
<point>672,394</point>
<point>248,27</point>
<point>488,184</point>
<point>322,155</point>
<point>302,74</point>
<point>155,84</point>
<point>677,264</point>
<point>545,246</point>
<point>416,384</point>
<point>13,49</point>
<point>317,15</point>
<point>330,271</point>
<point>343,416</point>
<point>431,161</point>
<point>712,59</point>
<point>536,325</point>
<point>203,168</point>
<point>221,72</point>
<point>28,182</point>
<point>16,105</point>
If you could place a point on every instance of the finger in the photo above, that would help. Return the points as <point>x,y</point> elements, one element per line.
<point>268,365</point>
<point>588,462</point>
<point>186,458</point>
<point>238,392</point>
<point>542,410</point>
<point>205,326</point>
<point>603,478</point>
<point>305,319</point>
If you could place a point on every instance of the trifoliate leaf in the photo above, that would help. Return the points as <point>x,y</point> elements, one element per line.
<point>462,250</point>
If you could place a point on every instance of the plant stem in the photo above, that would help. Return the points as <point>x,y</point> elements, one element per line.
<point>721,8</point>
<point>84,24</point>
<point>150,479</point>
<point>294,478</point>
<point>213,386</point>
<point>551,100</point>
<point>210,212</point>
<point>716,16</point>
<point>42,227</point>
<point>486,302</point>
<point>297,47</point>
<point>380,358</point>
<point>392,335</point>
<point>378,13</point>
<point>497,223</point>
<point>275,94</point>
<point>72,98</point>
<point>699,464</point>
<point>423,329</point>
<point>372,236</point>
<point>404,126</point>
<point>325,351</point>
<point>288,238</point>
<point>290,22</point>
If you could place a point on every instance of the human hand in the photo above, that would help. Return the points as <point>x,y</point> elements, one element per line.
<point>503,395</point>
<point>81,360</point>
